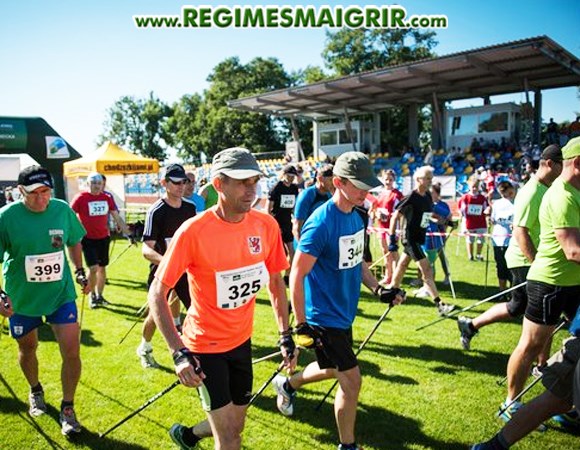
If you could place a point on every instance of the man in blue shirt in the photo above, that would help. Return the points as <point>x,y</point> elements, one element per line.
<point>325,280</point>
<point>312,197</point>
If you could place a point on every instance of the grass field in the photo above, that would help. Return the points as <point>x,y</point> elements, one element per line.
<point>420,389</point>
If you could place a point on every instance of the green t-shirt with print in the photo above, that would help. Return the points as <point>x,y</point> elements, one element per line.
<point>526,210</point>
<point>36,273</point>
<point>560,209</point>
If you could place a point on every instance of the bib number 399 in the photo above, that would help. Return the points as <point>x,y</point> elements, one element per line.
<point>44,268</point>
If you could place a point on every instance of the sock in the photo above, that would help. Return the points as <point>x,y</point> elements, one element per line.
<point>146,345</point>
<point>348,446</point>
<point>189,437</point>
<point>288,388</point>
<point>36,389</point>
<point>497,443</point>
<point>64,405</point>
<point>177,320</point>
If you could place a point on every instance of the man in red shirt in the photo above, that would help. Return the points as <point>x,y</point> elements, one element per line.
<point>472,206</point>
<point>381,211</point>
<point>93,208</point>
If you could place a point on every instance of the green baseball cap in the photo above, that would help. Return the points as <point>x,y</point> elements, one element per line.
<point>571,149</point>
<point>356,167</point>
<point>236,163</point>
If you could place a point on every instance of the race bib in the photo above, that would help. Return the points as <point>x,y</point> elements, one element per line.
<point>98,208</point>
<point>426,219</point>
<point>235,287</point>
<point>383,214</point>
<point>350,250</point>
<point>287,201</point>
<point>44,268</point>
<point>474,210</point>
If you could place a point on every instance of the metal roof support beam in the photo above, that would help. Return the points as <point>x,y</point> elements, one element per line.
<point>479,64</point>
<point>379,85</point>
<point>429,76</point>
<point>559,58</point>
<point>304,109</point>
<point>347,91</point>
<point>330,103</point>
<point>348,128</point>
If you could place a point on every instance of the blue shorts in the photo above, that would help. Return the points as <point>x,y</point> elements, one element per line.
<point>21,325</point>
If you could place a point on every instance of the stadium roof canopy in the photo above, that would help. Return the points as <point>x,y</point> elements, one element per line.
<point>531,64</point>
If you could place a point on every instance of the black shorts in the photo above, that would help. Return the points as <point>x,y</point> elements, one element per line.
<point>181,288</point>
<point>546,302</point>
<point>414,250</point>
<point>96,251</point>
<point>286,232</point>
<point>336,351</point>
<point>503,272</point>
<point>228,377</point>
<point>519,301</point>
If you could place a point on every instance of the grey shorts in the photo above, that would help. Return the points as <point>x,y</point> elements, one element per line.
<point>558,376</point>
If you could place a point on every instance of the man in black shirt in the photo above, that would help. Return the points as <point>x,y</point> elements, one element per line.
<point>280,205</point>
<point>163,219</point>
<point>416,209</point>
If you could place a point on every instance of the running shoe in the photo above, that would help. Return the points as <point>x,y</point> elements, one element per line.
<point>68,421</point>
<point>508,413</point>
<point>37,404</point>
<point>571,420</point>
<point>446,281</point>
<point>479,257</point>
<point>349,447</point>
<point>102,301</point>
<point>284,400</point>
<point>444,308</point>
<point>94,301</point>
<point>416,283</point>
<point>467,332</point>
<point>176,433</point>
<point>146,357</point>
<point>421,293</point>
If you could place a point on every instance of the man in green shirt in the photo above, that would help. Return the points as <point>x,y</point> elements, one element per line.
<point>33,235</point>
<point>554,277</point>
<point>521,249</point>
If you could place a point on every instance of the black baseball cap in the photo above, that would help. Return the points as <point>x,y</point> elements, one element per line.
<point>33,177</point>
<point>289,169</point>
<point>175,172</point>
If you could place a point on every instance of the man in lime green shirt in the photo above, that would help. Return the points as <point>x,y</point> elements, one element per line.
<point>33,235</point>
<point>521,249</point>
<point>554,277</point>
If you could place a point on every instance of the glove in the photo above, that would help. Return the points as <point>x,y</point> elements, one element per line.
<point>286,343</point>
<point>306,336</point>
<point>182,356</point>
<point>393,245</point>
<point>387,295</point>
<point>81,277</point>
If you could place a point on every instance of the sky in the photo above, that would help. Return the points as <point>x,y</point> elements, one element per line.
<point>69,61</point>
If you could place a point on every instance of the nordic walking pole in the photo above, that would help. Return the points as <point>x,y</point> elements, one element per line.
<point>467,308</point>
<point>448,269</point>
<point>142,407</point>
<point>267,357</point>
<point>153,399</point>
<point>376,263</point>
<point>360,348</point>
<point>486,259</point>
<point>140,313</point>
<point>267,382</point>
<point>558,328</point>
<point>131,243</point>
<point>83,301</point>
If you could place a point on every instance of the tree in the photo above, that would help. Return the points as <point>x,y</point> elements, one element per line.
<point>213,126</point>
<point>351,51</point>
<point>139,125</point>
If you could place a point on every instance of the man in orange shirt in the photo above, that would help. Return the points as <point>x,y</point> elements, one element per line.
<point>229,253</point>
